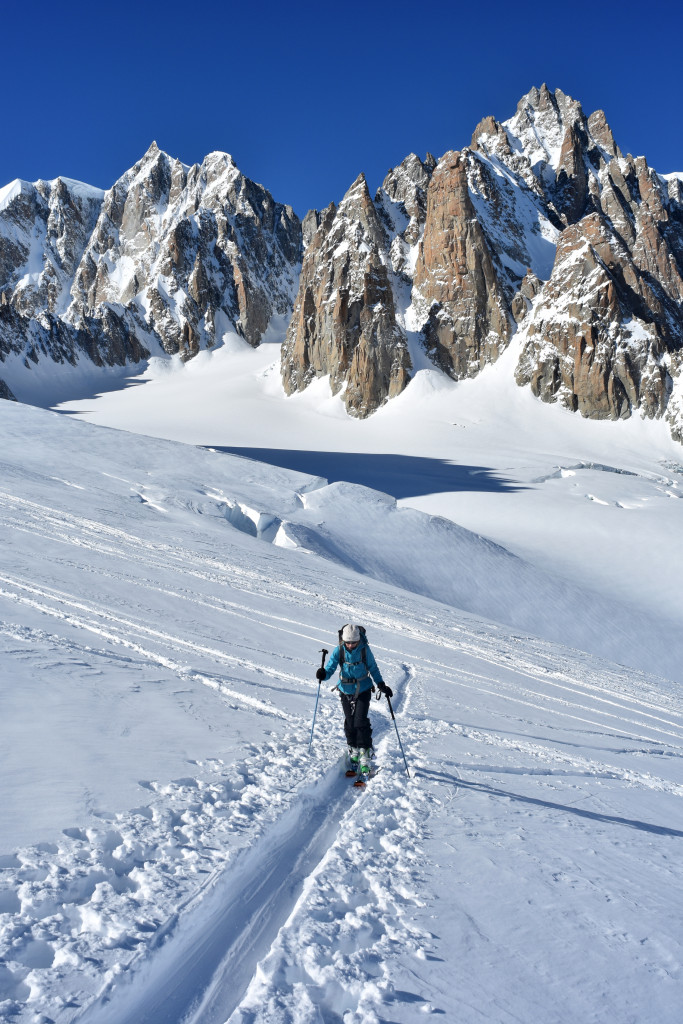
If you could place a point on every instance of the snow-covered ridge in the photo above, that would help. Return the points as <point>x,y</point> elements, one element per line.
<point>78,188</point>
<point>9,192</point>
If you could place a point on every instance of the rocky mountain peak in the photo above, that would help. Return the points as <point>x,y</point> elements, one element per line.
<point>43,228</point>
<point>490,136</point>
<point>412,173</point>
<point>541,125</point>
<point>357,194</point>
<point>153,167</point>
<point>599,130</point>
<point>405,185</point>
<point>344,323</point>
<point>558,152</point>
<point>218,169</point>
<point>357,217</point>
<point>541,229</point>
<point>455,282</point>
<point>170,257</point>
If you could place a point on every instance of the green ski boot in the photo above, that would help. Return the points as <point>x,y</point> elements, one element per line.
<point>352,762</point>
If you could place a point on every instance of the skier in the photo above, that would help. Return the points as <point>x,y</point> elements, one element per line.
<point>357,670</point>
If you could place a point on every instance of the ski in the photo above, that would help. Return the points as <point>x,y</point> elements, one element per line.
<point>363,779</point>
<point>353,771</point>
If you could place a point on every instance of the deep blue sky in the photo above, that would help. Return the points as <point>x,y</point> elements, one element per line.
<point>306,95</point>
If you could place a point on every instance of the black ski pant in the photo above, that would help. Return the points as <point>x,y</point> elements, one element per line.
<point>356,722</point>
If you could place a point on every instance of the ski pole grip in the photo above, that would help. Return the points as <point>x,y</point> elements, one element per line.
<point>317,697</point>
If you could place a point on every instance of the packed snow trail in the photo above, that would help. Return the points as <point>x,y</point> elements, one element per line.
<point>213,952</point>
<point>230,923</point>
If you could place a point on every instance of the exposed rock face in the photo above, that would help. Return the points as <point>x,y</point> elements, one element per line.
<point>5,392</point>
<point>44,229</point>
<point>107,338</point>
<point>197,249</point>
<point>607,322</point>
<point>468,321</point>
<point>543,228</point>
<point>170,258</point>
<point>554,149</point>
<point>309,226</point>
<point>352,317</point>
<point>466,246</point>
<point>345,322</point>
<point>596,340</point>
<point>404,195</point>
<point>539,228</point>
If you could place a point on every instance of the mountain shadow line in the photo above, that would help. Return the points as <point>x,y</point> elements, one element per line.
<point>402,476</point>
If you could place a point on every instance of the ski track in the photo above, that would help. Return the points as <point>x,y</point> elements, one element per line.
<point>228,929</point>
<point>176,847</point>
<point>120,630</point>
<point>230,848</point>
<point>81,532</point>
<point>267,928</point>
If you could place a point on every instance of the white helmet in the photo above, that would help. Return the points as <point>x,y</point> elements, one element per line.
<point>350,634</point>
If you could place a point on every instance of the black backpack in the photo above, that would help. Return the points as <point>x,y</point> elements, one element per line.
<point>364,643</point>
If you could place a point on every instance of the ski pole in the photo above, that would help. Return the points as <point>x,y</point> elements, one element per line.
<point>391,710</point>
<point>315,710</point>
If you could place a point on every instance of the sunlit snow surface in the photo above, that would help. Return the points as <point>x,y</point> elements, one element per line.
<point>170,852</point>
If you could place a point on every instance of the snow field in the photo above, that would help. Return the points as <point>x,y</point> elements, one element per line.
<point>170,852</point>
<point>592,505</point>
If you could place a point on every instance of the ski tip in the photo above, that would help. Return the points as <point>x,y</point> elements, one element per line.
<point>350,774</point>
<point>359,784</point>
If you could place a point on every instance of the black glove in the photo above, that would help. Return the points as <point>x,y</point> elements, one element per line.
<point>321,674</point>
<point>386,690</point>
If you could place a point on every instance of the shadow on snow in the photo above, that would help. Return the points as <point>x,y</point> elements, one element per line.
<point>609,819</point>
<point>402,476</point>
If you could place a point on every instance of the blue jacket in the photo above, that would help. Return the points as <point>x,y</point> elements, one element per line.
<point>354,672</point>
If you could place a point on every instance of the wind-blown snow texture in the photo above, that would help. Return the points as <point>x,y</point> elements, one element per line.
<point>171,853</point>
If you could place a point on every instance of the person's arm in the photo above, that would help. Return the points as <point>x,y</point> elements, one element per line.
<point>373,668</point>
<point>332,663</point>
<point>374,671</point>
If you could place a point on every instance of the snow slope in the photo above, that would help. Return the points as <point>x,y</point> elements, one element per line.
<point>170,851</point>
<point>593,504</point>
